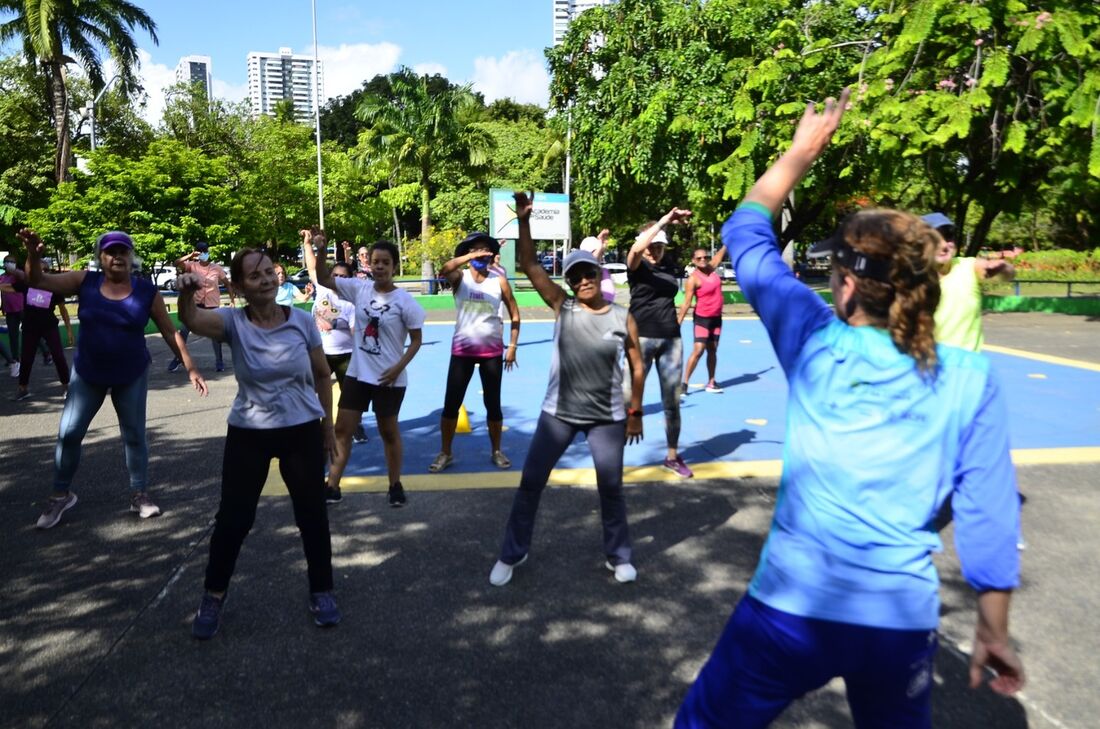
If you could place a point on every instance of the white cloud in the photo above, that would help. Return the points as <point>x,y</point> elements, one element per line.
<point>518,75</point>
<point>349,65</point>
<point>430,69</point>
<point>154,78</point>
<point>228,91</point>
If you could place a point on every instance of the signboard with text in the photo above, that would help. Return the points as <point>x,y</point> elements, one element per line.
<point>549,218</point>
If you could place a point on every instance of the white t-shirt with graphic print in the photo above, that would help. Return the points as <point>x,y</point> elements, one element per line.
<point>382,325</point>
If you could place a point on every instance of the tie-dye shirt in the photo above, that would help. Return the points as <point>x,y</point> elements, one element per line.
<point>479,331</point>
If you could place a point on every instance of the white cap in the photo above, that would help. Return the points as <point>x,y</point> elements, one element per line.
<point>591,244</point>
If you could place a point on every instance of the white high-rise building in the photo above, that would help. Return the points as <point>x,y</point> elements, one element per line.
<point>565,11</point>
<point>195,69</point>
<point>273,77</point>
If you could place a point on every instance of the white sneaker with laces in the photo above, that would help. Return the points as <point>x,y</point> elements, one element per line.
<point>624,572</point>
<point>502,573</point>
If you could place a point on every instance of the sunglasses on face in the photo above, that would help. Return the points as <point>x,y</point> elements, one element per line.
<point>574,277</point>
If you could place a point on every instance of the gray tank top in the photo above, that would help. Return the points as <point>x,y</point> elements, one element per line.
<point>586,371</point>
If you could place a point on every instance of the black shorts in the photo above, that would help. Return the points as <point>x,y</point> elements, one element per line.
<point>707,328</point>
<point>361,396</point>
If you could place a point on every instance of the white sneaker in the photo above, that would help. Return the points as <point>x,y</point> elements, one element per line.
<point>502,573</point>
<point>14,369</point>
<point>624,572</point>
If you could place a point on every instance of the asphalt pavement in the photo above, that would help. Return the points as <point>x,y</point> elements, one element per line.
<point>94,617</point>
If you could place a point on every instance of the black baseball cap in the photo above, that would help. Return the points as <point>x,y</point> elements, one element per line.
<point>468,242</point>
<point>858,263</point>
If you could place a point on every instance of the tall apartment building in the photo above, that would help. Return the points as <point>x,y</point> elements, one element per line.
<point>195,69</point>
<point>566,10</point>
<point>273,77</point>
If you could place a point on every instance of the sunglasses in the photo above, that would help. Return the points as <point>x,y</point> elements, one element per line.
<point>574,276</point>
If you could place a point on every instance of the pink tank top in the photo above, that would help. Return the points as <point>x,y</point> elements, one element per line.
<point>708,294</point>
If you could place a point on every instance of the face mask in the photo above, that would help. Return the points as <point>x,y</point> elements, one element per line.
<point>479,263</point>
<point>204,256</point>
<point>9,266</point>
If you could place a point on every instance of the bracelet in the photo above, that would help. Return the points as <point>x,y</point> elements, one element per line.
<point>634,412</point>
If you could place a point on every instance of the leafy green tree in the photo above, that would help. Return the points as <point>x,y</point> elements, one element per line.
<point>995,104</point>
<point>416,131</point>
<point>26,151</point>
<point>56,33</point>
<point>166,199</point>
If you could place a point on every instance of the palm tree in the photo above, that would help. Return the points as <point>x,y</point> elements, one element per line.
<point>417,127</point>
<point>56,33</point>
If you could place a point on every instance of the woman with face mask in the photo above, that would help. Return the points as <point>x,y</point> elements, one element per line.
<point>478,341</point>
<point>111,357</point>
<point>584,395</point>
<point>212,277</point>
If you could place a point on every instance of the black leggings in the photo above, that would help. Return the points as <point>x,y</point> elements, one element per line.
<point>458,379</point>
<point>338,363</point>
<point>248,454</point>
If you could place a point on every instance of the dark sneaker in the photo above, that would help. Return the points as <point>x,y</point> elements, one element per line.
<point>22,395</point>
<point>677,466</point>
<point>219,367</point>
<point>397,495</point>
<point>333,495</point>
<point>323,607</point>
<point>54,509</point>
<point>143,506</point>
<point>47,360</point>
<point>208,618</point>
<point>360,435</point>
<point>174,365</point>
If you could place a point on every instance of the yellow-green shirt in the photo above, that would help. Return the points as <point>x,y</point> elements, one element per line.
<point>959,315</point>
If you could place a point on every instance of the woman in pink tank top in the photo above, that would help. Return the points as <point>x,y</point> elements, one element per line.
<point>705,285</point>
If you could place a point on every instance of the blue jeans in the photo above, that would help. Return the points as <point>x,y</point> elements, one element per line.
<point>83,402</point>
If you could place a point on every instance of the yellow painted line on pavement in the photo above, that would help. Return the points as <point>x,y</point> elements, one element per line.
<point>586,477</point>
<point>1049,358</point>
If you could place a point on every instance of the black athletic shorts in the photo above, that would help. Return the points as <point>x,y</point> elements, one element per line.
<point>361,396</point>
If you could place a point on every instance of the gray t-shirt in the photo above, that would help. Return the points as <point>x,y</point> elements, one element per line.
<point>273,370</point>
<point>586,372</point>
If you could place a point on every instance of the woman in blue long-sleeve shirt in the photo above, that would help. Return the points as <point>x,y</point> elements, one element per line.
<point>882,426</point>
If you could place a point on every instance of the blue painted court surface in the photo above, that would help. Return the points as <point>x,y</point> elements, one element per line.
<point>1050,406</point>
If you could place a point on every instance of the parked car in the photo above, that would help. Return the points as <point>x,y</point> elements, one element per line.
<point>164,277</point>
<point>551,264</point>
<point>617,271</point>
<point>725,272</point>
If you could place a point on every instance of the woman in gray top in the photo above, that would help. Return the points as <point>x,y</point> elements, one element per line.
<point>282,408</point>
<point>584,395</point>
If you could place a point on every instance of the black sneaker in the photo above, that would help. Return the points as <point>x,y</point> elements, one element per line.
<point>397,495</point>
<point>333,495</point>
<point>323,607</point>
<point>208,618</point>
<point>360,435</point>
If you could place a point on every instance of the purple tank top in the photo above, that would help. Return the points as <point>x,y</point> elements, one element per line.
<point>110,348</point>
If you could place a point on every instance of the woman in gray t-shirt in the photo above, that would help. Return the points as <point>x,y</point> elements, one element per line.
<point>584,395</point>
<point>282,408</point>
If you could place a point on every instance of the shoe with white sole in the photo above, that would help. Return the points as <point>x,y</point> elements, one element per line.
<point>502,573</point>
<point>143,506</point>
<point>624,572</point>
<point>54,509</point>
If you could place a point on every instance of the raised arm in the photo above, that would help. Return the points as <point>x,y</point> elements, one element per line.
<point>452,269</point>
<point>999,269</point>
<point>810,140</point>
<point>551,293</point>
<point>317,266</point>
<point>66,284</point>
<point>513,312</point>
<point>716,259</point>
<point>672,217</point>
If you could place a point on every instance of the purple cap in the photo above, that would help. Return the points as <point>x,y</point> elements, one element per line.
<point>114,238</point>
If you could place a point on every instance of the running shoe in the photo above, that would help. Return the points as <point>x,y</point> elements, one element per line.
<point>14,369</point>
<point>219,367</point>
<point>54,509</point>
<point>22,395</point>
<point>713,388</point>
<point>677,466</point>
<point>323,607</point>
<point>624,572</point>
<point>501,574</point>
<point>500,460</point>
<point>208,618</point>
<point>441,462</point>
<point>397,495</point>
<point>360,434</point>
<point>143,506</point>
<point>174,365</point>
<point>333,495</point>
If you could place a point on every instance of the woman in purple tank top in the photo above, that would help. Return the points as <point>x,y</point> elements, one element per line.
<point>111,356</point>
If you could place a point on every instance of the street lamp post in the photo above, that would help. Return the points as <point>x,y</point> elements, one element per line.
<point>317,121</point>
<point>90,109</point>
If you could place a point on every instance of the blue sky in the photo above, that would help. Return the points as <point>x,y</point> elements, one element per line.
<point>495,44</point>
